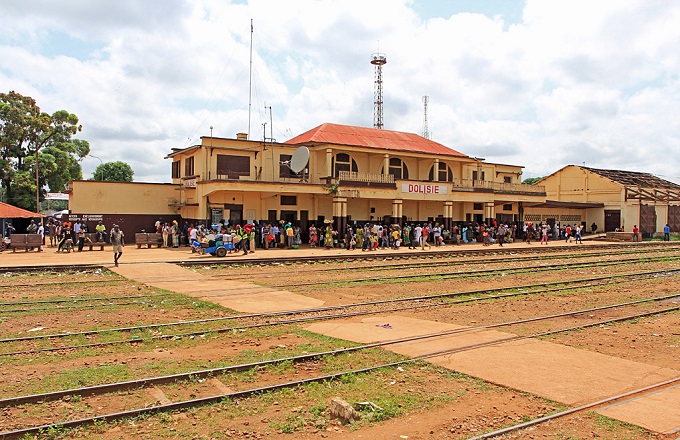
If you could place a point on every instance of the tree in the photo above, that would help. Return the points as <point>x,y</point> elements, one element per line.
<point>113,172</point>
<point>29,137</point>
<point>532,180</point>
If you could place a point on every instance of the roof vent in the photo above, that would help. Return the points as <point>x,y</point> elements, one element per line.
<point>242,136</point>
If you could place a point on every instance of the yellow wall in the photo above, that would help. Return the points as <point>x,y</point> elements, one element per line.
<point>91,196</point>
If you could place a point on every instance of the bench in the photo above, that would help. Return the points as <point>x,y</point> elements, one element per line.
<point>91,241</point>
<point>25,241</point>
<point>148,239</point>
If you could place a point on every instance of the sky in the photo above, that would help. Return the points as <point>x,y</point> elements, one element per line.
<point>536,83</point>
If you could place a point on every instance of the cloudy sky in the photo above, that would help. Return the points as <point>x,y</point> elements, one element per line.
<point>538,83</point>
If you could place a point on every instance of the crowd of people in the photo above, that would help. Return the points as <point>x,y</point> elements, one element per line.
<point>71,236</point>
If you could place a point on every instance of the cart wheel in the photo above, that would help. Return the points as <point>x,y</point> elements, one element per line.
<point>221,252</point>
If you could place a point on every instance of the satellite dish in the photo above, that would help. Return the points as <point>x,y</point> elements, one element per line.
<point>299,160</point>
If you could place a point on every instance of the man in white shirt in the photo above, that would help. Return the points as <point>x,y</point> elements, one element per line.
<point>418,235</point>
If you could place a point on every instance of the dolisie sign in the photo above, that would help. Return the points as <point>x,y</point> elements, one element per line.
<point>421,188</point>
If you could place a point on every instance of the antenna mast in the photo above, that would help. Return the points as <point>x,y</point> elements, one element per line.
<point>426,130</point>
<point>250,79</point>
<point>378,60</point>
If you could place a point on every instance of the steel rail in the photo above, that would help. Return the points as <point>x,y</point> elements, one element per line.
<point>81,299</point>
<point>287,385</point>
<point>566,285</point>
<point>619,397</point>
<point>500,259</point>
<point>59,308</point>
<point>267,324</point>
<point>298,259</point>
<point>122,386</point>
<point>471,273</point>
<point>55,283</point>
<point>406,254</point>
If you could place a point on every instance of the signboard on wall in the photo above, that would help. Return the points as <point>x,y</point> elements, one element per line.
<point>56,196</point>
<point>190,183</point>
<point>423,188</point>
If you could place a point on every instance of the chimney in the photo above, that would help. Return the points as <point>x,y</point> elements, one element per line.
<point>242,136</point>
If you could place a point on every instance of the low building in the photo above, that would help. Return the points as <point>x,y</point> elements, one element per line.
<point>132,205</point>
<point>612,199</point>
<point>347,174</point>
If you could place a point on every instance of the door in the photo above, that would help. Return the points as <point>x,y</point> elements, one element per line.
<point>289,216</point>
<point>647,220</point>
<point>674,218</point>
<point>612,219</point>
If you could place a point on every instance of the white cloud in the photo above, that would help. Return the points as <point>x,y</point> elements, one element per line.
<point>572,81</point>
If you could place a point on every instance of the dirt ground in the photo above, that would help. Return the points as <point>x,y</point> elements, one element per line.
<point>456,407</point>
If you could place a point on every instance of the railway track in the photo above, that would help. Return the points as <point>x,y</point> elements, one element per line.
<point>562,322</point>
<point>18,432</point>
<point>468,273</point>
<point>251,321</point>
<point>236,273</point>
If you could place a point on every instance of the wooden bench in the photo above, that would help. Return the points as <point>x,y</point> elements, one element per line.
<point>148,239</point>
<point>91,241</point>
<point>25,241</point>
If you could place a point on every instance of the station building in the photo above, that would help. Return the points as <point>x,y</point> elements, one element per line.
<point>350,174</point>
<point>612,199</point>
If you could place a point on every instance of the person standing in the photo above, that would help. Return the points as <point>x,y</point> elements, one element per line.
<point>636,233</point>
<point>544,234</point>
<point>593,228</point>
<point>118,243</point>
<point>52,228</point>
<point>500,234</point>
<point>667,232</point>
<point>425,235</point>
<point>578,234</point>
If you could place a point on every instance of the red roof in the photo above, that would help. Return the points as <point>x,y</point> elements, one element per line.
<point>9,211</point>
<point>372,137</point>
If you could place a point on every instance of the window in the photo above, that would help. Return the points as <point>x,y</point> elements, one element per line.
<point>189,166</point>
<point>477,206</point>
<point>284,166</point>
<point>232,167</point>
<point>477,175</point>
<point>175,169</point>
<point>342,162</point>
<point>288,200</point>
<point>507,179</point>
<point>444,173</point>
<point>507,207</point>
<point>397,168</point>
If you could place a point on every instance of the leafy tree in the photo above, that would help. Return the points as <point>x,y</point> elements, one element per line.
<point>27,134</point>
<point>113,172</point>
<point>532,180</point>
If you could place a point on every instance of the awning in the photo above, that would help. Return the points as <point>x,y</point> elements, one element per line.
<point>9,211</point>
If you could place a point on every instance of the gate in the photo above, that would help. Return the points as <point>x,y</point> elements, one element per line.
<point>612,219</point>
<point>647,220</point>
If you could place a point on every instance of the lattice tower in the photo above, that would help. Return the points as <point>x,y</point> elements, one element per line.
<point>378,60</point>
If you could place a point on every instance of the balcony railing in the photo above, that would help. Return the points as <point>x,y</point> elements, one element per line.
<point>467,184</point>
<point>365,177</point>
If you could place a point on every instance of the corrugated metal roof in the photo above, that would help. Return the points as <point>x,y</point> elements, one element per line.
<point>372,137</point>
<point>634,178</point>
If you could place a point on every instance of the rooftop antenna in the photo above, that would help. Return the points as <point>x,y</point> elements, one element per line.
<point>426,131</point>
<point>378,60</point>
<point>250,79</point>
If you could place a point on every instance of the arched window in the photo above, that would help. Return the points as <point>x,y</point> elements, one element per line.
<point>444,173</point>
<point>397,168</point>
<point>342,162</point>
